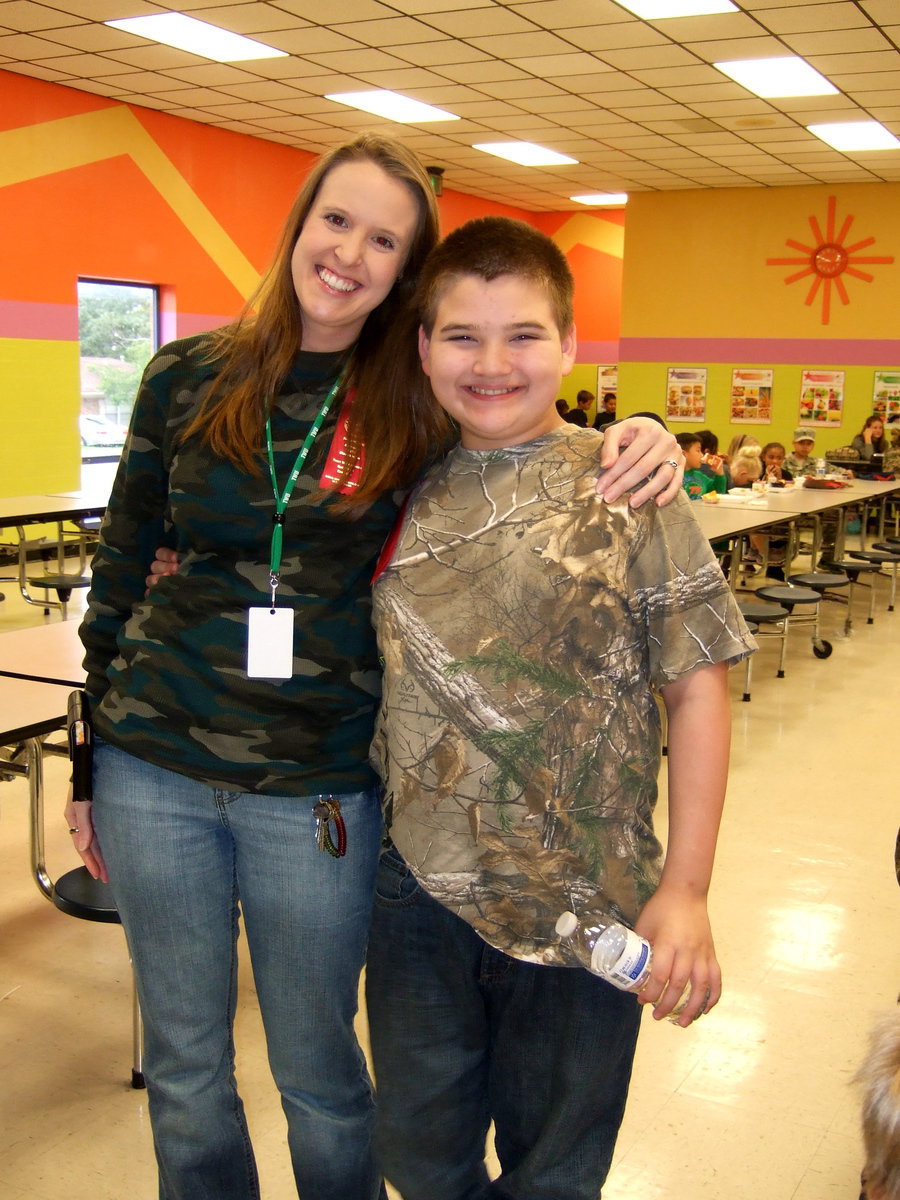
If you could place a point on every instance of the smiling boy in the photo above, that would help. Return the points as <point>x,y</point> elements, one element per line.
<point>524,624</point>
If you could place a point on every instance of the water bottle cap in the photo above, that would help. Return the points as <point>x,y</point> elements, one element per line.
<point>567,924</point>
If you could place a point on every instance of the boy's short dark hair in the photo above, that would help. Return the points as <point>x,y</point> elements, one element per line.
<point>686,440</point>
<point>709,443</point>
<point>490,247</point>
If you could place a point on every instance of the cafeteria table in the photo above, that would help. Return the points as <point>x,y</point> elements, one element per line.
<point>19,512</point>
<point>45,653</point>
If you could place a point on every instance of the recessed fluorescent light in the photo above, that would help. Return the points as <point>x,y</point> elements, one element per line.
<point>393,106</point>
<point>186,33</point>
<point>659,10</point>
<point>785,76</point>
<point>856,135</point>
<point>604,199</point>
<point>527,154</point>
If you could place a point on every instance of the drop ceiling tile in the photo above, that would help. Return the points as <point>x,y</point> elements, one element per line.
<point>24,45</point>
<point>715,27</point>
<point>694,93</point>
<point>840,41</point>
<point>262,90</point>
<point>881,11</point>
<point>762,46</point>
<point>567,14</point>
<point>397,31</point>
<point>210,74</point>
<point>870,81</point>
<point>350,10</point>
<point>148,57</point>
<point>92,66</point>
<point>38,71</point>
<point>644,62</point>
<point>104,10</point>
<point>420,7</point>
<point>486,70</point>
<point>560,68</point>
<point>515,46</point>
<point>248,19</point>
<point>442,52</point>
<point>813,17</point>
<point>91,38</point>
<point>402,78</point>
<point>598,38</point>
<point>26,17</point>
<point>310,40</point>
<point>816,108</point>
<point>668,78</point>
<point>367,58</point>
<point>885,60</point>
<point>479,22</point>
<point>529,90</point>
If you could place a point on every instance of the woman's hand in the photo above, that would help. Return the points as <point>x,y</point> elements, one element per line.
<point>81,827</point>
<point>640,456</point>
<point>165,563</point>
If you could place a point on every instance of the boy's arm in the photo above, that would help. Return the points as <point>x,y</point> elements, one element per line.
<point>675,919</point>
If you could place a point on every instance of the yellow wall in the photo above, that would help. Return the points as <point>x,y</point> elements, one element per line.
<point>698,291</point>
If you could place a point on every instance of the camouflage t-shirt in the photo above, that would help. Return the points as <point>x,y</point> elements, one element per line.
<point>524,624</point>
<point>171,667</point>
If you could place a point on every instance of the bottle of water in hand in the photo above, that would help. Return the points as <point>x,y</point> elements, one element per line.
<point>608,949</point>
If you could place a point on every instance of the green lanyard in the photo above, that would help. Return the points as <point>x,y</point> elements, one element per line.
<point>281,502</point>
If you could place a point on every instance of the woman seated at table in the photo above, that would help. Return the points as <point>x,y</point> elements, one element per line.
<point>870,439</point>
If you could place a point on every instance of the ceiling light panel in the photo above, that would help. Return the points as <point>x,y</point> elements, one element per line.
<point>197,37</point>
<point>526,154</point>
<point>660,10</point>
<point>785,76</point>
<point>392,106</point>
<point>852,136</point>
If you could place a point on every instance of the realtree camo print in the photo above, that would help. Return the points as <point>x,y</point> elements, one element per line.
<point>171,666</point>
<point>524,624</point>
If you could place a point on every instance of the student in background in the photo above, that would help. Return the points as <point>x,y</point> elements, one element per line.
<point>579,415</point>
<point>739,442</point>
<point>519,675</point>
<point>870,440</point>
<point>607,414</point>
<point>746,465</point>
<point>774,469</point>
<point>798,462</point>
<point>697,480</point>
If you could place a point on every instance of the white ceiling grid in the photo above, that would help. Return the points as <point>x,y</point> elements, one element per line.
<point>638,103</point>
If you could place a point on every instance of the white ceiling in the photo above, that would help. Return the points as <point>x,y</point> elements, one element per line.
<point>638,103</point>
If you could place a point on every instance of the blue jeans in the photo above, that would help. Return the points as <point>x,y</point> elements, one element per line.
<point>463,1034</point>
<point>182,857</point>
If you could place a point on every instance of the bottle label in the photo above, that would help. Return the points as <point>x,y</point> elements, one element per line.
<point>632,966</point>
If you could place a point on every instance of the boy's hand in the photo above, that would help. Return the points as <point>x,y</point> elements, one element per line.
<point>165,563</point>
<point>640,456</point>
<point>714,461</point>
<point>677,927</point>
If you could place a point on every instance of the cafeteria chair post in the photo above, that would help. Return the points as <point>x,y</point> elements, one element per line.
<point>76,892</point>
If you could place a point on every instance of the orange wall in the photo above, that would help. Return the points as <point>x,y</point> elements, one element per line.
<point>90,187</point>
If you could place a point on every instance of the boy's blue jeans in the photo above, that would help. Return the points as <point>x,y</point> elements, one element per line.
<point>463,1034</point>
<point>182,856</point>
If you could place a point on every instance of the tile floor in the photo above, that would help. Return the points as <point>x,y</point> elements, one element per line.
<point>755,1101</point>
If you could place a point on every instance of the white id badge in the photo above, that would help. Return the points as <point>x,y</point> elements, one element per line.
<point>270,643</point>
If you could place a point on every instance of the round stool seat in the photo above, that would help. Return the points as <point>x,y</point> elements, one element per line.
<point>853,567</point>
<point>821,581</point>
<point>782,593</point>
<point>876,556</point>
<point>759,613</point>
<point>63,585</point>
<point>80,895</point>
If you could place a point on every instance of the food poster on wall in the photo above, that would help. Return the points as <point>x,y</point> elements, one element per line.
<point>607,381</point>
<point>686,394</point>
<point>751,397</point>
<point>886,395</point>
<point>821,397</point>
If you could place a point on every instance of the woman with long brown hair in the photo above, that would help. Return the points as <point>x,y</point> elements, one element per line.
<point>234,703</point>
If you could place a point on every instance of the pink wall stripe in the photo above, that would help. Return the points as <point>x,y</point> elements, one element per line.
<point>838,352</point>
<point>597,352</point>
<point>24,319</point>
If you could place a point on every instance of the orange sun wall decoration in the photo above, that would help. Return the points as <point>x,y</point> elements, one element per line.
<point>828,259</point>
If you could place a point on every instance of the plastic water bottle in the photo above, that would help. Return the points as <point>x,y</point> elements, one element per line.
<point>609,949</point>
<point>820,467</point>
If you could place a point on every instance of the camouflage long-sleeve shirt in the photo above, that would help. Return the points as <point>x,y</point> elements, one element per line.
<point>525,624</point>
<point>171,667</point>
